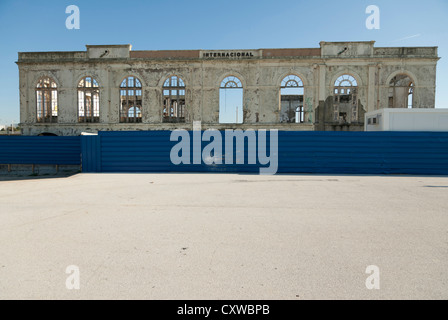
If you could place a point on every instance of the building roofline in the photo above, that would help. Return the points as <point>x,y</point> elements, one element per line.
<point>325,51</point>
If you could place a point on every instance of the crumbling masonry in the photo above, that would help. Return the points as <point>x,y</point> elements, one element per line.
<point>111,87</point>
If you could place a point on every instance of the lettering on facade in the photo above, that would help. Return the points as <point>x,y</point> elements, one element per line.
<point>229,54</point>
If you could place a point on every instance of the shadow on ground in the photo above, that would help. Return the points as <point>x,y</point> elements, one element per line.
<point>14,177</point>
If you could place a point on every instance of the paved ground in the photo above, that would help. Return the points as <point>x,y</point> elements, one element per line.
<point>224,236</point>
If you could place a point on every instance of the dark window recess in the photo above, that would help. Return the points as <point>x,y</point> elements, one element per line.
<point>174,108</point>
<point>131,100</point>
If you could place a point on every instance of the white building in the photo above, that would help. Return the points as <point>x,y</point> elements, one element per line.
<point>407,120</point>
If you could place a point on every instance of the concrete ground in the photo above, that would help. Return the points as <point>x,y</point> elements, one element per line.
<point>223,236</point>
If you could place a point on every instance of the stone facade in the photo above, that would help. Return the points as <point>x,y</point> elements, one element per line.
<point>371,69</point>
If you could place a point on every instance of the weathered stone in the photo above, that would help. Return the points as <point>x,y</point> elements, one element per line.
<point>260,71</point>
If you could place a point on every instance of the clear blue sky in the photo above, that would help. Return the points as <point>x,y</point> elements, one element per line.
<point>229,24</point>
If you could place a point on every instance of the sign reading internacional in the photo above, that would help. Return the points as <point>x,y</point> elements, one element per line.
<point>229,54</point>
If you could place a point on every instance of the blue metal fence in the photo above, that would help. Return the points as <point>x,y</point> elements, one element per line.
<point>423,153</point>
<point>298,152</point>
<point>364,152</point>
<point>91,153</point>
<point>40,150</point>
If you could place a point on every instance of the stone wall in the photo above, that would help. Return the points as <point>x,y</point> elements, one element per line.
<point>261,75</point>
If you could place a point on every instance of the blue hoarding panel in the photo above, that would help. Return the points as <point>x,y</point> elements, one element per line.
<point>40,150</point>
<point>91,153</point>
<point>297,152</point>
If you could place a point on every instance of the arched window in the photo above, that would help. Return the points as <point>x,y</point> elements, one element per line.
<point>131,98</point>
<point>291,100</point>
<point>88,100</point>
<point>401,92</point>
<point>345,105</point>
<point>174,100</point>
<point>47,100</point>
<point>231,100</point>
